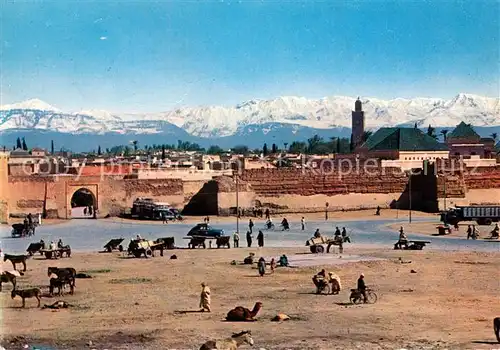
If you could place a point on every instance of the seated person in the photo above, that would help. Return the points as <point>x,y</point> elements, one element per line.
<point>320,281</point>
<point>60,244</point>
<point>249,259</point>
<point>283,261</point>
<point>317,234</point>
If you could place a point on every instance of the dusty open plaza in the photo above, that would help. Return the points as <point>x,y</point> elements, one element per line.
<point>448,303</point>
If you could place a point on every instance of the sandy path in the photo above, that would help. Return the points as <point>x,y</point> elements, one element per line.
<point>131,303</point>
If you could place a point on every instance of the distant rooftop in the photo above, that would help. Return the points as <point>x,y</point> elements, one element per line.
<point>402,139</point>
<point>462,131</point>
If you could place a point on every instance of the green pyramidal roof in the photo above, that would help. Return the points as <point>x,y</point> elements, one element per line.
<point>402,139</point>
<point>464,131</point>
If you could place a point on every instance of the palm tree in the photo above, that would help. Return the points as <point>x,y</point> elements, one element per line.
<point>445,133</point>
<point>134,142</point>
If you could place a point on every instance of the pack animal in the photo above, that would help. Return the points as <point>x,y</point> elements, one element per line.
<point>67,273</point>
<point>16,259</point>
<point>27,294</point>
<point>7,276</point>
<point>232,343</point>
<point>242,314</point>
<point>60,283</point>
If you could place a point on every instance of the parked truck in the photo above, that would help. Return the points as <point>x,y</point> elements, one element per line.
<point>482,214</point>
<point>147,208</point>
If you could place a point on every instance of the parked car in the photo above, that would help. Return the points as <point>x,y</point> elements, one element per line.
<point>205,230</point>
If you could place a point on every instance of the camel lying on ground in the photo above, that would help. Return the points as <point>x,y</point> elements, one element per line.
<point>229,343</point>
<point>242,314</point>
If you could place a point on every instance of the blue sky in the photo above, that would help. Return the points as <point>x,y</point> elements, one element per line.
<point>153,56</point>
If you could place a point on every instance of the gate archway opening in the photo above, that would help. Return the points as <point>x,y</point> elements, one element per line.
<point>83,204</point>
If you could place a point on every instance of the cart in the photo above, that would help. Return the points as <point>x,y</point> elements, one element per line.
<point>139,247</point>
<point>223,241</point>
<point>412,245</point>
<point>167,242</point>
<point>199,241</point>
<point>113,244</point>
<point>317,245</point>
<point>56,253</point>
<point>18,230</point>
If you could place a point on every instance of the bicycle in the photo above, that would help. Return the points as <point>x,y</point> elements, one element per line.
<point>357,297</point>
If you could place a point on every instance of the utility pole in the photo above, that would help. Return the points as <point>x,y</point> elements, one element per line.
<point>409,185</point>
<point>445,192</point>
<point>237,206</point>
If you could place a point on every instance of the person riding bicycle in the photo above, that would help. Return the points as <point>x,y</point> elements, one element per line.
<point>362,287</point>
<point>403,240</point>
<point>269,223</point>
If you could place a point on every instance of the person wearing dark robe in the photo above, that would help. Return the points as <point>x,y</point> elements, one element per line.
<point>262,267</point>
<point>260,239</point>
<point>250,225</point>
<point>267,213</point>
<point>249,239</point>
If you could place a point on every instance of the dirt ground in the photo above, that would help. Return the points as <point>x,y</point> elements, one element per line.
<point>449,303</point>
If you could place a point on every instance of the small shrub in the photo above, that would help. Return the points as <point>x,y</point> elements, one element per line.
<point>133,280</point>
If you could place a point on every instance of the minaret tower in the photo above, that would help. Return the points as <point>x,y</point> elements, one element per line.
<point>358,124</point>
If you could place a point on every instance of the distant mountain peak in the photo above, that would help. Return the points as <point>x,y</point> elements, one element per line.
<point>218,121</point>
<point>33,104</point>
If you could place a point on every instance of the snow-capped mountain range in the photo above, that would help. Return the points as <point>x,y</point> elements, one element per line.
<point>296,112</point>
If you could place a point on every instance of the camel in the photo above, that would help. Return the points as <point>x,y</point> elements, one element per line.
<point>496,327</point>
<point>229,343</point>
<point>242,314</point>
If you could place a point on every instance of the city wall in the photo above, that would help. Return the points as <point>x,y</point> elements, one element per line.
<point>282,190</point>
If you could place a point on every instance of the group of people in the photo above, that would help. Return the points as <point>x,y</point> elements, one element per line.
<point>249,237</point>
<point>473,232</point>
<point>90,211</point>
<point>52,245</point>
<point>322,279</point>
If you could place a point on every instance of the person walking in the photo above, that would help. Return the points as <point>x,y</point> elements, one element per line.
<point>236,239</point>
<point>267,214</point>
<point>345,237</point>
<point>260,239</point>
<point>262,267</point>
<point>249,239</point>
<point>362,287</point>
<point>205,298</point>
<point>250,225</point>
<point>303,223</point>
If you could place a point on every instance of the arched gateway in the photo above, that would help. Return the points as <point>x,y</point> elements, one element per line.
<point>82,201</point>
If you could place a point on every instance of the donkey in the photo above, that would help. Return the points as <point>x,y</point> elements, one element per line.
<point>7,276</point>
<point>16,259</point>
<point>59,283</point>
<point>26,294</point>
<point>232,343</point>
<point>68,273</point>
